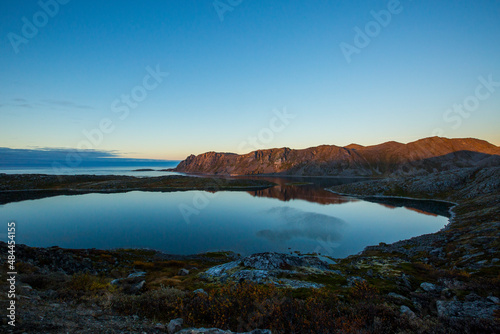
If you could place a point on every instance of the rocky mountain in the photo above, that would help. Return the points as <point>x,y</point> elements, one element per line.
<point>391,158</point>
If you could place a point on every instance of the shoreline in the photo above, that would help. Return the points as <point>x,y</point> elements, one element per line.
<point>451,210</point>
<point>467,211</point>
<point>279,175</point>
<point>19,187</point>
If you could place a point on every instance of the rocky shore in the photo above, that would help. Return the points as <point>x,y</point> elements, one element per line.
<point>469,244</point>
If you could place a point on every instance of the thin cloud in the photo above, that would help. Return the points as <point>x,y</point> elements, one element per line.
<point>24,103</point>
<point>46,157</point>
<point>66,104</point>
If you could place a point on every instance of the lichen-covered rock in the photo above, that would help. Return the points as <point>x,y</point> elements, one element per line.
<point>474,309</point>
<point>268,267</point>
<point>271,260</point>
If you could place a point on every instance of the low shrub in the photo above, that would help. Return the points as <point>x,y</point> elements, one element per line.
<point>160,304</point>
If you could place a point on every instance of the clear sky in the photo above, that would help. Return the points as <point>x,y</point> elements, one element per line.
<point>93,74</point>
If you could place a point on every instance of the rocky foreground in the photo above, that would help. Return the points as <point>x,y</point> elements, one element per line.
<point>446,282</point>
<point>144,291</point>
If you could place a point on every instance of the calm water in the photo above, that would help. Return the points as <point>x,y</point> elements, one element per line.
<point>285,218</point>
<point>113,170</point>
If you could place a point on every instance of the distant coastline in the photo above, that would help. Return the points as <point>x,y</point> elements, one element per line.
<point>19,187</point>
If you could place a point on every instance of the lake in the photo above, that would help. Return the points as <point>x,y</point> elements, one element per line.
<point>296,215</point>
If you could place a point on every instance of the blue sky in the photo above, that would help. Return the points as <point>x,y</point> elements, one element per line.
<point>233,68</point>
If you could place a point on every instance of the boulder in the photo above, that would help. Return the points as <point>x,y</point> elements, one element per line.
<point>267,268</point>
<point>200,291</point>
<point>175,325</point>
<point>406,310</point>
<point>493,299</point>
<point>429,287</point>
<point>183,272</point>
<point>134,288</point>
<point>271,260</point>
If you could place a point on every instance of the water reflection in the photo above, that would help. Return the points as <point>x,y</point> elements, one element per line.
<point>312,189</point>
<point>295,223</point>
<point>304,192</point>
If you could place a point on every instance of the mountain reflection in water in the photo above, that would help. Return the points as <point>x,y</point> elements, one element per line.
<point>312,189</point>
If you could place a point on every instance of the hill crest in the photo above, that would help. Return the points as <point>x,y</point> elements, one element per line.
<point>389,158</point>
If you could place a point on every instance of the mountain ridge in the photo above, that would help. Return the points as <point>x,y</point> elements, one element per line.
<point>386,159</point>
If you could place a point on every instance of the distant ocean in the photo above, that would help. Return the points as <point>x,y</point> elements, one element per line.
<point>154,169</point>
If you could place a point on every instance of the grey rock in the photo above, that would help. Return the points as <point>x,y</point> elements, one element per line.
<point>481,263</point>
<point>416,304</point>
<point>472,297</point>
<point>132,288</point>
<point>406,310</point>
<point>175,325</point>
<point>137,287</point>
<point>405,280</point>
<point>429,287</point>
<point>397,296</point>
<point>137,274</point>
<point>470,256</point>
<point>271,260</point>
<point>116,281</point>
<point>493,299</point>
<point>183,272</point>
<point>353,280</point>
<point>134,277</point>
<point>200,291</point>
<point>268,267</point>
<point>221,270</point>
<point>258,276</point>
<point>296,284</point>
<point>337,272</point>
<point>456,309</point>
